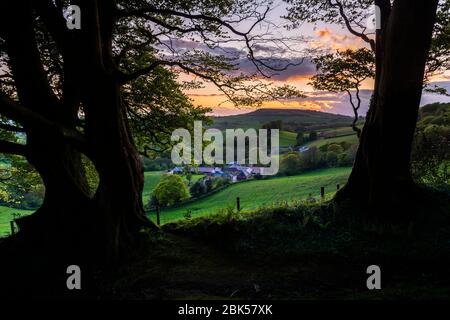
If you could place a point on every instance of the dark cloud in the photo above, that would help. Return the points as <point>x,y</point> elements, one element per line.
<point>297,67</point>
<point>267,54</point>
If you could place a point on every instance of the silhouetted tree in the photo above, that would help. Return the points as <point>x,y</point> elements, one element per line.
<point>381,176</point>
<point>312,135</point>
<point>86,91</point>
<point>345,71</point>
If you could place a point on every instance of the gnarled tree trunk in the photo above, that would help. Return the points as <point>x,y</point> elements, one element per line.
<point>381,175</point>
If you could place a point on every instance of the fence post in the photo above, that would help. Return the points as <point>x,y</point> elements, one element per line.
<point>157,215</point>
<point>238,203</point>
<point>337,186</point>
<point>322,192</point>
<point>13,231</point>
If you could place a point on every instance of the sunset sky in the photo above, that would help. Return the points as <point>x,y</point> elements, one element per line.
<point>320,36</point>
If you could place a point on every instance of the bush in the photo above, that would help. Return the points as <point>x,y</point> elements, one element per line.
<point>198,188</point>
<point>331,158</point>
<point>313,136</point>
<point>336,148</point>
<point>209,185</point>
<point>310,159</point>
<point>170,190</point>
<point>220,182</point>
<point>300,139</point>
<point>431,155</point>
<point>290,164</point>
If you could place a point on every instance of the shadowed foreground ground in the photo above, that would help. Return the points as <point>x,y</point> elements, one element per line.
<point>302,252</point>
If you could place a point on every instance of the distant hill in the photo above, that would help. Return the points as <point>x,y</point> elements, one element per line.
<point>292,119</point>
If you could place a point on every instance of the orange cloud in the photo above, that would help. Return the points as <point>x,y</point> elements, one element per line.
<point>323,33</point>
<point>216,102</point>
<point>300,77</point>
<point>328,39</point>
<point>317,105</point>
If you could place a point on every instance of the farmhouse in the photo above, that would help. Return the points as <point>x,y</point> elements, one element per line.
<point>204,170</point>
<point>232,171</point>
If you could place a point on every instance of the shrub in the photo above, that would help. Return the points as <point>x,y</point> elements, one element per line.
<point>209,185</point>
<point>331,158</point>
<point>312,136</point>
<point>336,148</point>
<point>198,188</point>
<point>170,190</point>
<point>431,155</point>
<point>220,182</point>
<point>290,164</point>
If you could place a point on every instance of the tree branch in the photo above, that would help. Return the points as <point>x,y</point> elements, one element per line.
<point>29,119</point>
<point>11,128</point>
<point>12,148</point>
<point>361,35</point>
<point>259,64</point>
<point>54,20</point>
<point>355,111</point>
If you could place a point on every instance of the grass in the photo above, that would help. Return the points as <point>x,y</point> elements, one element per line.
<point>151,180</point>
<point>294,252</point>
<point>253,194</point>
<point>288,138</point>
<point>352,139</point>
<point>259,193</point>
<point>343,131</point>
<point>6,215</point>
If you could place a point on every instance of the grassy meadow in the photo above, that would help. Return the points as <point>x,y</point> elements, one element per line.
<point>259,193</point>
<point>6,215</point>
<point>352,139</point>
<point>253,194</point>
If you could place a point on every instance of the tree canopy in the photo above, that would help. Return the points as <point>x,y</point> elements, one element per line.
<point>344,71</point>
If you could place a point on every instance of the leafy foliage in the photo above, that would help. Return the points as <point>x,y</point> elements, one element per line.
<point>344,71</point>
<point>157,105</point>
<point>20,185</point>
<point>431,149</point>
<point>170,190</point>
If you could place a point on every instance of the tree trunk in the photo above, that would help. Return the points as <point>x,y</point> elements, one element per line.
<point>118,200</point>
<point>381,175</point>
<point>67,194</point>
<point>59,164</point>
<point>68,216</point>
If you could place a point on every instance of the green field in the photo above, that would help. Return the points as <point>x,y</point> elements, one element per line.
<point>253,194</point>
<point>288,138</point>
<point>352,139</point>
<point>257,193</point>
<point>151,180</point>
<point>337,132</point>
<point>6,215</point>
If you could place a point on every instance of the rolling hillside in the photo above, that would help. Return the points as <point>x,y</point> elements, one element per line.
<point>292,119</point>
<point>258,193</point>
<point>351,139</point>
